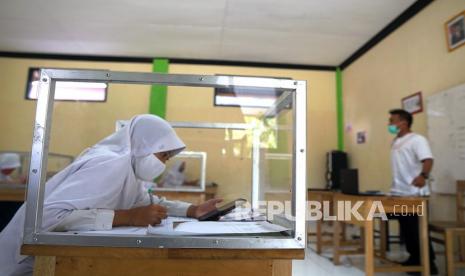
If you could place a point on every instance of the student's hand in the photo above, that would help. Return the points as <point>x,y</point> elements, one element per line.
<point>196,211</point>
<point>419,181</point>
<point>140,216</point>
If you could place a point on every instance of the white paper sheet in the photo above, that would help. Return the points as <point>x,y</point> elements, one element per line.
<point>243,214</point>
<point>166,228</point>
<point>116,231</point>
<point>229,227</point>
<point>178,226</point>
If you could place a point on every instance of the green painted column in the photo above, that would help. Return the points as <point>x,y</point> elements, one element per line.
<point>340,110</point>
<point>157,104</point>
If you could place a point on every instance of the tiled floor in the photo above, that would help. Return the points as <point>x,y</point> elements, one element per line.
<point>315,264</point>
<point>321,265</point>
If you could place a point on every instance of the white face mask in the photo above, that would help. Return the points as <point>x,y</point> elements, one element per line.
<point>148,167</point>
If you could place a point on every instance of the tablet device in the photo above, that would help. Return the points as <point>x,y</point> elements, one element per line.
<point>221,211</point>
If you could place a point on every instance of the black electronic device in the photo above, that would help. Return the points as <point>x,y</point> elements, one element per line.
<point>349,184</point>
<point>221,211</point>
<point>349,181</point>
<point>335,162</point>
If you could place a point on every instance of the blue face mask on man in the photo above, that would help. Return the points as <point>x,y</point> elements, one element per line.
<point>393,129</point>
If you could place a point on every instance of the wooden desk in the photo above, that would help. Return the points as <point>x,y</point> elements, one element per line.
<point>191,197</point>
<point>75,260</point>
<point>12,194</point>
<point>18,194</point>
<point>321,195</point>
<point>391,206</point>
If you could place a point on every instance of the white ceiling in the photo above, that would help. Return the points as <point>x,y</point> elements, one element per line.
<point>318,32</point>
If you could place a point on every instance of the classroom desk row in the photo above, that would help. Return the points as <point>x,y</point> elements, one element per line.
<point>266,262</point>
<point>77,260</point>
<point>390,205</point>
<point>12,192</point>
<point>17,193</point>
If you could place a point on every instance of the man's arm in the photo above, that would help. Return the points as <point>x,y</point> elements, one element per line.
<point>420,180</point>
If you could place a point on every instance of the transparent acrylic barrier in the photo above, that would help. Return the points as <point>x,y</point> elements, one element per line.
<point>239,168</point>
<point>186,171</point>
<point>55,163</point>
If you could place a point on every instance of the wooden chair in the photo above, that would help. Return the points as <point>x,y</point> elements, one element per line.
<point>450,230</point>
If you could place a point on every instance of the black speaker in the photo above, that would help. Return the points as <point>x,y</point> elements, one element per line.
<point>335,162</point>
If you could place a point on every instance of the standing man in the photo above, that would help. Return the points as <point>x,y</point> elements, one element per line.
<point>411,161</point>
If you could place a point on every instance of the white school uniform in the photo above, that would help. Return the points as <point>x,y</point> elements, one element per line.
<point>84,195</point>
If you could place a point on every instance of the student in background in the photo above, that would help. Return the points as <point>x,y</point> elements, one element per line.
<point>175,177</point>
<point>9,162</point>
<point>102,188</point>
<point>411,161</point>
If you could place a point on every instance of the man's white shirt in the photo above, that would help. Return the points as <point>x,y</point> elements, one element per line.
<point>407,154</point>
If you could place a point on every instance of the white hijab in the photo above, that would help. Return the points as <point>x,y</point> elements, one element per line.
<point>101,178</point>
<point>9,161</point>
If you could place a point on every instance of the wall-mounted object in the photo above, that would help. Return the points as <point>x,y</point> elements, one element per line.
<point>361,137</point>
<point>413,103</point>
<point>348,127</point>
<point>446,134</point>
<point>455,31</point>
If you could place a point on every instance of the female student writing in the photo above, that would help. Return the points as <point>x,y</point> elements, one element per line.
<point>103,188</point>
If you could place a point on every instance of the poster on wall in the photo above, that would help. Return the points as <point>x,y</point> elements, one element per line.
<point>413,103</point>
<point>455,31</point>
<point>361,137</point>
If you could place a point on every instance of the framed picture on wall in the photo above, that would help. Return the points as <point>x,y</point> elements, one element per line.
<point>455,31</point>
<point>361,137</point>
<point>413,103</point>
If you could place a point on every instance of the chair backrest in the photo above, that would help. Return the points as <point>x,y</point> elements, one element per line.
<point>460,201</point>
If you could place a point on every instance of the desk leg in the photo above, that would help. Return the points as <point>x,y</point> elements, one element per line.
<point>344,233</point>
<point>362,238</point>
<point>319,230</point>
<point>282,268</point>
<point>383,237</point>
<point>449,242</point>
<point>369,248</point>
<point>462,247</point>
<point>336,242</point>
<point>424,243</point>
<point>319,238</point>
<point>44,266</point>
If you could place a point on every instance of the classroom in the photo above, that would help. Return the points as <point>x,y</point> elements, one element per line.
<point>221,137</point>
